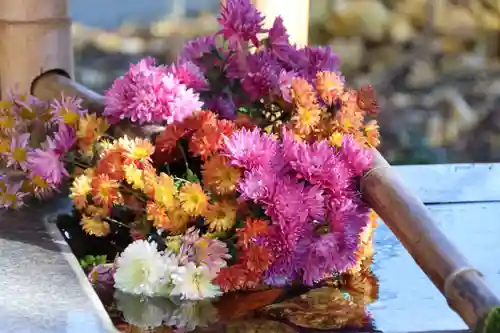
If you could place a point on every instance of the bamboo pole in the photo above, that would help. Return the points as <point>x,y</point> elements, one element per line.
<point>35,37</point>
<point>295,14</point>
<point>408,218</point>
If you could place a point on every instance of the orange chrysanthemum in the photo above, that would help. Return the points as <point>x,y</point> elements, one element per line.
<point>219,176</point>
<point>137,151</point>
<point>232,278</point>
<point>206,141</point>
<point>200,119</point>
<point>157,215</point>
<point>252,229</point>
<point>178,220</point>
<point>221,215</point>
<point>306,119</point>
<point>90,129</point>
<point>80,189</point>
<point>329,85</point>
<point>166,142</point>
<point>256,258</point>
<point>105,191</point>
<point>111,164</point>
<point>372,133</point>
<point>193,200</point>
<point>303,93</point>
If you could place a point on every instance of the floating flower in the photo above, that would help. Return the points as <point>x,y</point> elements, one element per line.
<point>193,200</point>
<point>194,282</point>
<point>142,270</point>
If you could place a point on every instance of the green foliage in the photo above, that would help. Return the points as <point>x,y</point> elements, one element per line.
<point>191,176</point>
<point>90,261</point>
<point>492,323</point>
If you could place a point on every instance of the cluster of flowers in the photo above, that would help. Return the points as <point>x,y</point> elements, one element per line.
<point>254,180</point>
<point>36,140</point>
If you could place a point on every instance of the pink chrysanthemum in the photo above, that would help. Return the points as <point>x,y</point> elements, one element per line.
<point>47,164</point>
<point>241,22</point>
<point>64,139</point>
<point>67,110</point>
<point>285,84</point>
<point>257,185</point>
<point>287,205</point>
<point>147,93</point>
<point>189,74</point>
<point>18,151</point>
<point>251,149</point>
<point>357,157</point>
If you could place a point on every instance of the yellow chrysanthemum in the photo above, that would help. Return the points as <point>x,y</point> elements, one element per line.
<point>7,121</point>
<point>178,220</point>
<point>90,129</point>
<point>336,139</point>
<point>137,149</point>
<point>4,144</point>
<point>221,215</point>
<point>306,119</point>
<point>165,191</point>
<point>193,200</point>
<point>134,176</point>
<point>80,189</point>
<point>219,176</point>
<point>174,243</point>
<point>95,226</point>
<point>97,211</point>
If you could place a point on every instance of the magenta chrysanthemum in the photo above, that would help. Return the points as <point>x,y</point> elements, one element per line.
<point>241,22</point>
<point>262,77</point>
<point>358,158</point>
<point>64,139</point>
<point>196,48</point>
<point>189,74</point>
<point>147,93</point>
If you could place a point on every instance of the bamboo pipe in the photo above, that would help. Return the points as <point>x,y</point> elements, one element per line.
<point>35,37</point>
<point>408,218</point>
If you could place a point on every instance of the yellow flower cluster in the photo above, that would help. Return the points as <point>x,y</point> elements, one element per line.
<point>125,175</point>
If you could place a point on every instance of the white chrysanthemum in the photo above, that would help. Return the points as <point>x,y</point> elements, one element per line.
<point>192,314</point>
<point>142,270</point>
<point>194,282</point>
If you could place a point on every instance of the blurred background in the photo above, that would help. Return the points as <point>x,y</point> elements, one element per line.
<point>435,64</point>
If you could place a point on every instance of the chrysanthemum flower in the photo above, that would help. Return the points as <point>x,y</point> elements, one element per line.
<point>223,106</point>
<point>64,139</point>
<point>195,48</point>
<point>111,163</point>
<point>251,148</point>
<point>90,129</point>
<point>157,215</point>
<point>165,191</point>
<point>11,195</point>
<point>178,220</point>
<point>252,229</point>
<point>257,259</point>
<point>95,226</point>
<point>193,200</point>
<point>329,85</point>
<point>318,59</point>
<point>241,22</point>
<point>194,282</point>
<point>142,270</point>
<point>47,164</point>
<point>67,110</point>
<point>147,93</point>
<point>262,75</point>
<point>372,133</point>
<point>220,177</point>
<point>5,143</point>
<point>137,151</point>
<point>17,155</point>
<point>232,278</point>
<point>105,191</point>
<point>134,176</point>
<point>359,159</point>
<point>206,141</point>
<point>303,93</point>
<point>189,74</point>
<point>305,119</point>
<point>221,215</point>
<point>211,252</point>
<point>80,189</point>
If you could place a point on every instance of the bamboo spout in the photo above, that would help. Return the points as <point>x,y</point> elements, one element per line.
<point>462,285</point>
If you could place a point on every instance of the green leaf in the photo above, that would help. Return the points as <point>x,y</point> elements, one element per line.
<point>191,176</point>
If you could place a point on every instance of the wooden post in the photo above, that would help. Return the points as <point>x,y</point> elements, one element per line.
<point>295,15</point>
<point>408,218</point>
<point>35,37</point>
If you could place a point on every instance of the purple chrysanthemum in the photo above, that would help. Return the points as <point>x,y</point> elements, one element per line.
<point>316,59</point>
<point>241,23</point>
<point>64,139</point>
<point>358,158</point>
<point>223,106</point>
<point>147,93</point>
<point>262,76</point>
<point>196,48</point>
<point>47,164</point>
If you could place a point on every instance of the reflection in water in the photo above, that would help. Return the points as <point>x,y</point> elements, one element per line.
<point>336,305</point>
